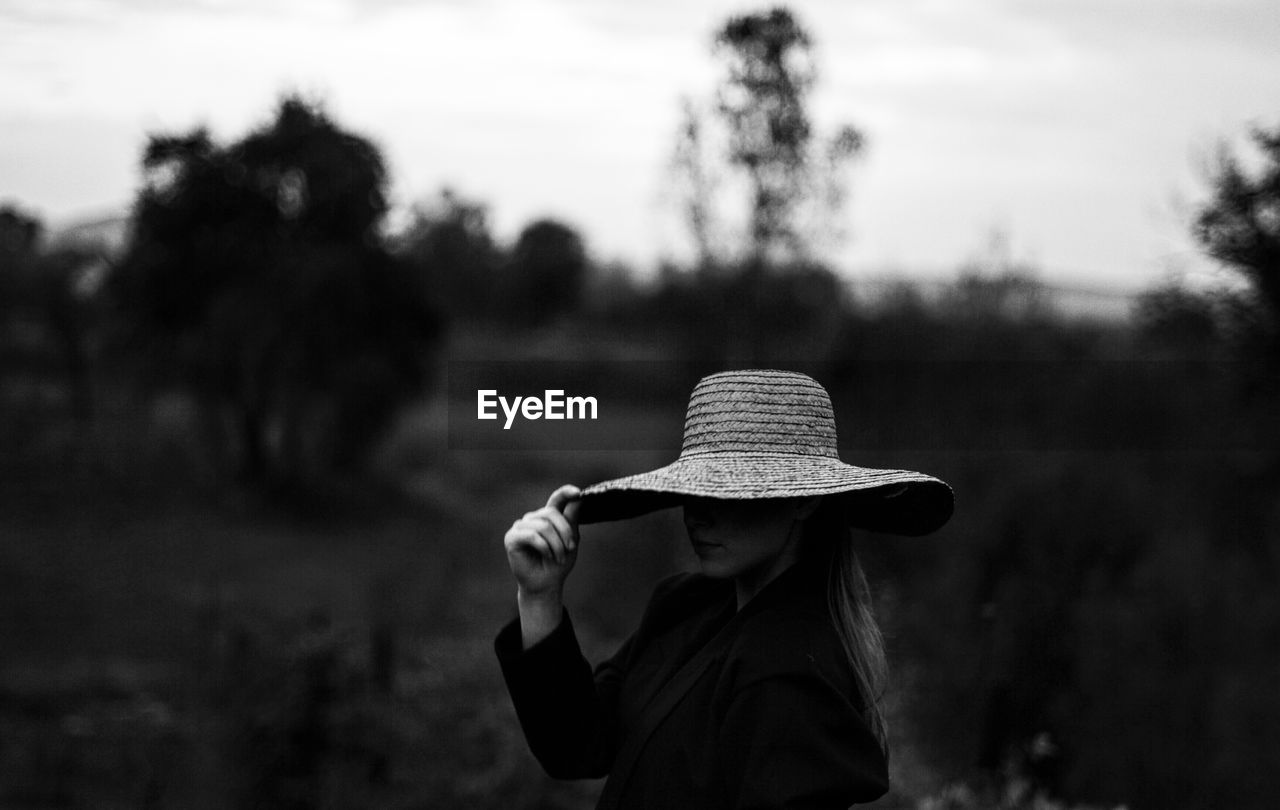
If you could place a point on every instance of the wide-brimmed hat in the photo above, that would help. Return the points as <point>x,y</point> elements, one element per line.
<point>771,434</point>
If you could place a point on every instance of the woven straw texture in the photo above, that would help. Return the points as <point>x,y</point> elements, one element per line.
<point>771,434</point>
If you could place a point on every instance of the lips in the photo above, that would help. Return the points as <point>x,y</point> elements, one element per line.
<point>701,548</point>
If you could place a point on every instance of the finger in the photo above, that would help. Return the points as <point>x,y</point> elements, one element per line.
<point>568,535</point>
<point>567,500</point>
<point>528,539</point>
<point>563,496</point>
<point>571,515</point>
<point>542,525</point>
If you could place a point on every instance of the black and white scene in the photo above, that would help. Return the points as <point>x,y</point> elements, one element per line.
<point>571,404</point>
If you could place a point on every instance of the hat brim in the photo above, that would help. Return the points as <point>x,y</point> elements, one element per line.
<point>890,501</point>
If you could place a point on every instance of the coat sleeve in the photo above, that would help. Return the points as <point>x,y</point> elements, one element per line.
<point>795,741</point>
<point>568,713</point>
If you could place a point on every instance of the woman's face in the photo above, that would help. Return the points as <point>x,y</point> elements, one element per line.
<point>748,540</point>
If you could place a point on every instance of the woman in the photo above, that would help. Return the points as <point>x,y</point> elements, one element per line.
<point>757,682</point>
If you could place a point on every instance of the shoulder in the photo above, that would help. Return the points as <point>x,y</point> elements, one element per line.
<point>679,595</point>
<point>792,722</point>
<point>791,637</point>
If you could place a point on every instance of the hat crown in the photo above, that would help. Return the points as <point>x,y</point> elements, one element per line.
<point>759,412</point>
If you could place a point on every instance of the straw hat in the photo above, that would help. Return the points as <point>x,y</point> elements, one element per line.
<point>771,434</point>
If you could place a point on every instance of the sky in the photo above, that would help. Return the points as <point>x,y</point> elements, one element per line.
<point>1076,133</point>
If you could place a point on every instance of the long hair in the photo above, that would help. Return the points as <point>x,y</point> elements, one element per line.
<point>849,601</point>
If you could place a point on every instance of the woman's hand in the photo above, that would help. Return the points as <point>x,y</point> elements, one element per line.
<point>541,548</point>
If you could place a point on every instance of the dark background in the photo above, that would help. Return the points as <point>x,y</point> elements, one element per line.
<point>242,565</point>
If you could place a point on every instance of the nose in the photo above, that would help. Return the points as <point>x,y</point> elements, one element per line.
<point>697,512</point>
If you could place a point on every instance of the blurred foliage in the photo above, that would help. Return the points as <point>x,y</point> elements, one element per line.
<point>257,277</point>
<point>1100,612</point>
<point>1097,624</point>
<point>1240,226</point>
<point>19,237</point>
<point>763,135</point>
<point>449,244</point>
<point>784,314</point>
<point>1174,317</point>
<point>533,283</point>
<point>48,321</point>
<point>1015,794</point>
<point>546,274</point>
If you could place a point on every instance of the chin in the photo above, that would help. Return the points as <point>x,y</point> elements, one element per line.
<point>715,569</point>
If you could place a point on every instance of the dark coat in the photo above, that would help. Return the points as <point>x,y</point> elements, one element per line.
<point>773,721</point>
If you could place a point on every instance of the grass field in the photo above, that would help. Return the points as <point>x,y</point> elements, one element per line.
<point>165,642</point>
<point>170,641</point>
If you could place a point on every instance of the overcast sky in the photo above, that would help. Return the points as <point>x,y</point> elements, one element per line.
<point>1077,128</point>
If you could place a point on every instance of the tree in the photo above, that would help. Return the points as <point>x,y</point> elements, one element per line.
<point>1240,226</point>
<point>1174,316</point>
<point>20,235</point>
<point>758,144</point>
<point>46,317</point>
<point>257,277</point>
<point>994,288</point>
<point>762,106</point>
<point>697,182</point>
<point>546,273</point>
<point>451,248</point>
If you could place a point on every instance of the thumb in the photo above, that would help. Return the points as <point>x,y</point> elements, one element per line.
<point>565,500</point>
<point>571,512</point>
